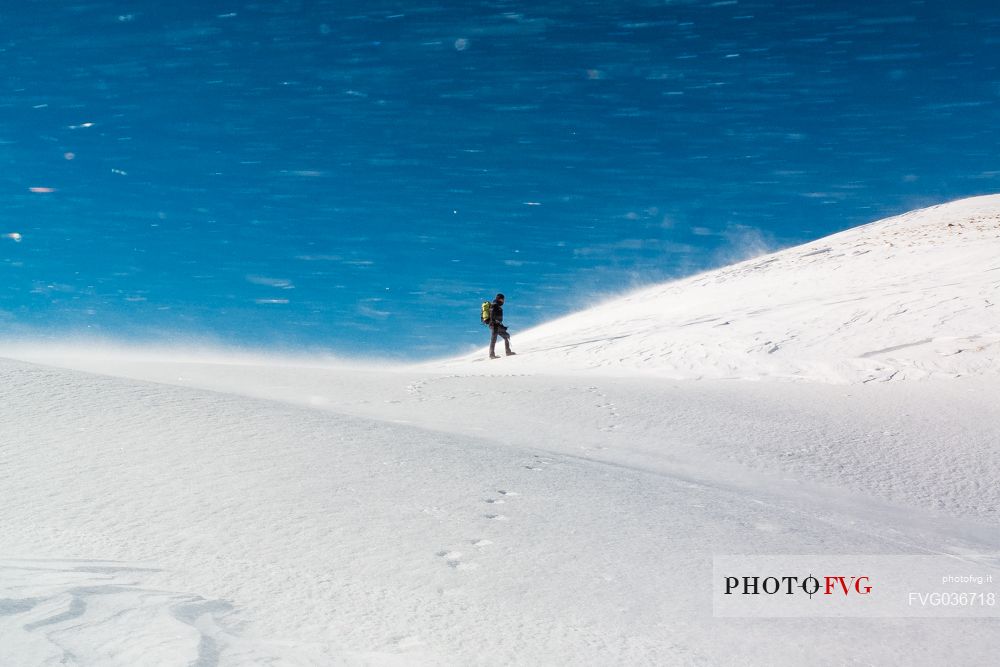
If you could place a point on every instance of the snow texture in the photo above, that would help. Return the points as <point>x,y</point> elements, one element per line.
<point>558,507</point>
<point>908,297</point>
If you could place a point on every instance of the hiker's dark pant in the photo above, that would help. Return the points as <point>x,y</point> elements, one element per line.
<point>499,330</point>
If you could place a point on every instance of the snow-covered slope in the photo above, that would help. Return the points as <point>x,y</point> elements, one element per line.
<point>360,517</point>
<point>907,297</point>
<point>165,508</point>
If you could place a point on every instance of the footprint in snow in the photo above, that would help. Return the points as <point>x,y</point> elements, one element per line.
<point>481,543</point>
<point>495,501</point>
<point>504,492</point>
<point>454,560</point>
<point>496,517</point>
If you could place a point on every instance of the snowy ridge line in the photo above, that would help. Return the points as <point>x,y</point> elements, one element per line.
<point>905,298</point>
<point>909,297</point>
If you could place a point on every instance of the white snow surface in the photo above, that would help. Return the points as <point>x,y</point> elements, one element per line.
<point>907,297</point>
<point>560,507</point>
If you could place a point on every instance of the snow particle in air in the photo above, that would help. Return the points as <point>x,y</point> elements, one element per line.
<point>13,236</point>
<point>280,283</point>
<point>461,44</point>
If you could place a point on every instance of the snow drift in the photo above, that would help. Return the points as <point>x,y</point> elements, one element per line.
<point>911,296</point>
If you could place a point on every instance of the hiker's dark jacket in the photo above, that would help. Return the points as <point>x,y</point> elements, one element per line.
<point>496,313</point>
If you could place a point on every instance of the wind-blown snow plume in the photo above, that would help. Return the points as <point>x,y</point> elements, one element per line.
<point>906,297</point>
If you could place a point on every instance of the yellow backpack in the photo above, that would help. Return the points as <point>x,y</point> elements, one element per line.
<point>487,314</point>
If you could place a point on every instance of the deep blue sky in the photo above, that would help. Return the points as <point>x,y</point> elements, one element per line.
<point>358,175</point>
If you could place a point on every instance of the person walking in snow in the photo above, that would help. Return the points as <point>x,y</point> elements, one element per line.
<point>497,328</point>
